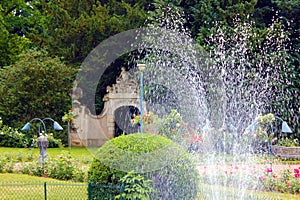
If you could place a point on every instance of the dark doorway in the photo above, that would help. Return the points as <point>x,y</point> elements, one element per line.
<point>123,117</point>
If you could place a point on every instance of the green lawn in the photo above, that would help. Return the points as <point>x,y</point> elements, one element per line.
<point>20,186</point>
<point>81,153</point>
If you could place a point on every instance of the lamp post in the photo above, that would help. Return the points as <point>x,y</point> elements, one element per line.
<point>284,129</point>
<point>141,68</point>
<point>42,138</point>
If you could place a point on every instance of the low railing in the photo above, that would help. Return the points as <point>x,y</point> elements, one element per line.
<point>53,191</point>
<point>286,152</point>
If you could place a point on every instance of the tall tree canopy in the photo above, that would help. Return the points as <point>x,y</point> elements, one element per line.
<point>35,86</point>
<point>70,29</point>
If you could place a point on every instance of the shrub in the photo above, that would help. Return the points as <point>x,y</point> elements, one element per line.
<point>136,187</point>
<point>286,182</point>
<point>287,142</point>
<point>10,137</point>
<point>53,143</point>
<point>64,168</point>
<point>166,164</point>
<point>2,163</point>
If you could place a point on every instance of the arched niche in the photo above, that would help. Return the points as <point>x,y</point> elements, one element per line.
<point>123,120</point>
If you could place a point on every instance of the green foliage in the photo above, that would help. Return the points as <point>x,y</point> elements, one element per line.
<point>37,85</point>
<point>68,117</point>
<point>11,137</point>
<point>170,125</point>
<point>63,167</point>
<point>265,120</point>
<point>285,182</point>
<point>154,157</point>
<point>11,44</point>
<point>287,142</point>
<point>72,29</point>
<point>2,163</point>
<point>136,187</point>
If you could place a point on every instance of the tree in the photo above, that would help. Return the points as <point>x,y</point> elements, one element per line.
<point>205,12</point>
<point>11,44</point>
<point>35,86</point>
<point>74,28</point>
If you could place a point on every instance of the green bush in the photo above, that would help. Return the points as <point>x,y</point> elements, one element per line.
<point>166,164</point>
<point>2,163</point>
<point>64,168</point>
<point>136,187</point>
<point>12,137</point>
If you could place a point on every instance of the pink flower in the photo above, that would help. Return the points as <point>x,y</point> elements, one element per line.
<point>30,173</point>
<point>288,184</point>
<point>269,170</point>
<point>236,167</point>
<point>297,175</point>
<point>261,178</point>
<point>296,171</point>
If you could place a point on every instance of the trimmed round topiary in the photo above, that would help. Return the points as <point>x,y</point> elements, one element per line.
<point>168,165</point>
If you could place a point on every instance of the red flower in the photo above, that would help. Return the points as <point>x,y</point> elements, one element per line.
<point>296,171</point>
<point>297,175</point>
<point>269,170</point>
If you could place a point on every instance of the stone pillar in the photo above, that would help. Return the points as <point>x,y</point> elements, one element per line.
<point>43,144</point>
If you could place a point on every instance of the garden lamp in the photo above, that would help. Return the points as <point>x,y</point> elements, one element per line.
<point>285,127</point>
<point>206,127</point>
<point>141,68</point>
<point>56,126</point>
<point>43,139</point>
<point>252,127</point>
<point>26,127</point>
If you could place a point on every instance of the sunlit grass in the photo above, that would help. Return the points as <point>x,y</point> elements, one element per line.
<point>21,186</point>
<point>31,187</point>
<point>83,154</point>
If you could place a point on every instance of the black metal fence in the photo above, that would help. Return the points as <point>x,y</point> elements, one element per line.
<point>59,191</point>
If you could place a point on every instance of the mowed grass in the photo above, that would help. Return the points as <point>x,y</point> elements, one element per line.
<point>21,186</point>
<point>82,154</point>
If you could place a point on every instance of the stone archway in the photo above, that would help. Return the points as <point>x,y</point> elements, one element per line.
<point>95,130</point>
